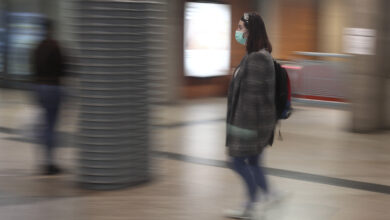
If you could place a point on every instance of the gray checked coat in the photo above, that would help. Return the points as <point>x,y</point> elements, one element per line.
<point>251,116</point>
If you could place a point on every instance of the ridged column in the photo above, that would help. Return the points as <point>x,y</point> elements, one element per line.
<point>118,50</point>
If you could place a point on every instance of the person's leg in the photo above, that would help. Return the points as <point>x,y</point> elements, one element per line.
<point>44,102</point>
<point>241,167</point>
<point>52,116</point>
<point>270,195</point>
<point>50,101</point>
<point>50,140</point>
<point>258,172</point>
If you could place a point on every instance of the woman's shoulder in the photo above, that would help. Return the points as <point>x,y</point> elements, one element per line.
<point>260,56</point>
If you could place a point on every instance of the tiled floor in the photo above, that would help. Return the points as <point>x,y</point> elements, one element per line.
<point>327,172</point>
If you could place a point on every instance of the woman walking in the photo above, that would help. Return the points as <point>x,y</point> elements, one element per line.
<point>251,113</point>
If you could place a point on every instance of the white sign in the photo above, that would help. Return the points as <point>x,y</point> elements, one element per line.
<point>207,31</point>
<point>359,41</point>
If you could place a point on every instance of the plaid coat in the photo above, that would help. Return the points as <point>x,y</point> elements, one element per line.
<point>251,115</point>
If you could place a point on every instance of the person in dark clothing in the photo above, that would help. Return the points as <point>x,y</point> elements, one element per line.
<point>251,113</point>
<point>48,67</point>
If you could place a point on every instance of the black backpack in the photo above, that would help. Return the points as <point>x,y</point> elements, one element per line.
<point>282,94</point>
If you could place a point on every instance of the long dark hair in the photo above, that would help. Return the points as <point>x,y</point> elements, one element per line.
<point>257,38</point>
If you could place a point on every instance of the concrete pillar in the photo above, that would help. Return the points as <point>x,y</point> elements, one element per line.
<point>269,11</point>
<point>33,6</point>
<point>331,23</point>
<point>174,58</point>
<point>117,49</point>
<point>368,71</point>
<point>386,68</point>
<point>3,39</point>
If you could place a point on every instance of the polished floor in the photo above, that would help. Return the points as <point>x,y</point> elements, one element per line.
<point>326,172</point>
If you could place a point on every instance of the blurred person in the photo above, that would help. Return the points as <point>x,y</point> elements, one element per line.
<point>251,115</point>
<point>48,69</point>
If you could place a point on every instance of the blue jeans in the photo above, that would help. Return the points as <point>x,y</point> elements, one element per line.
<point>49,98</point>
<point>253,175</point>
